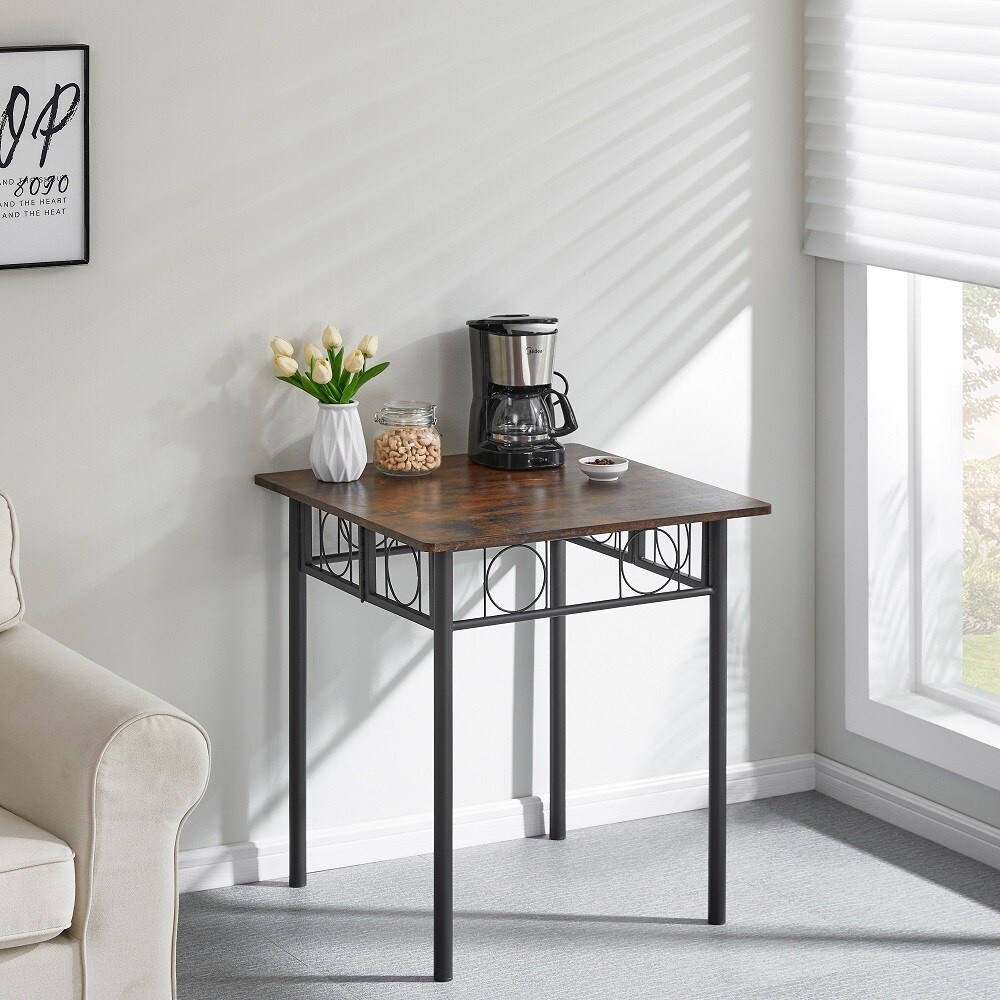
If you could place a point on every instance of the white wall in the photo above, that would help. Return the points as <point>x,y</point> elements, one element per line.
<point>264,169</point>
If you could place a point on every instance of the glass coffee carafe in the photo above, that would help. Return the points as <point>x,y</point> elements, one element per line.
<point>526,419</point>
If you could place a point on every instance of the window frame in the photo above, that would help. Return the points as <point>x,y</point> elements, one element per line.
<point>886,700</point>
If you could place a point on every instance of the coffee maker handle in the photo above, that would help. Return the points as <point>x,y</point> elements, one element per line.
<point>569,423</point>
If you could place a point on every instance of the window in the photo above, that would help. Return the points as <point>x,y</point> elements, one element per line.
<point>922,497</point>
<point>902,143</point>
<point>952,365</point>
<point>981,488</point>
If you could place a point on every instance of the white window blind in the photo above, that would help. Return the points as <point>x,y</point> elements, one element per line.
<point>903,135</point>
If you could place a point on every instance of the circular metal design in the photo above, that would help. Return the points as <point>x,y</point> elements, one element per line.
<point>680,559</point>
<point>602,540</point>
<point>674,567</point>
<point>344,531</point>
<point>658,555</point>
<point>541,589</point>
<point>325,557</point>
<point>387,546</point>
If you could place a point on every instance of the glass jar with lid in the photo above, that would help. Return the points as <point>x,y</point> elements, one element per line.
<point>409,443</point>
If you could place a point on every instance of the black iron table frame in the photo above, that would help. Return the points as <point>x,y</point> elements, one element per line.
<point>353,568</point>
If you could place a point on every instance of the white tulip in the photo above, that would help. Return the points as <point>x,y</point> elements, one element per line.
<point>286,366</point>
<point>322,372</point>
<point>312,351</point>
<point>332,338</point>
<point>354,362</point>
<point>368,345</point>
<point>282,349</point>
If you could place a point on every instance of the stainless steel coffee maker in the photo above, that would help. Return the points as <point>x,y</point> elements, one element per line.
<point>512,423</point>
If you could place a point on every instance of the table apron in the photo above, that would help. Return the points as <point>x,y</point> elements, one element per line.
<point>354,571</point>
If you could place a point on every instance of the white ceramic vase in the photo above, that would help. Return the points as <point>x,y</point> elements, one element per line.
<point>338,453</point>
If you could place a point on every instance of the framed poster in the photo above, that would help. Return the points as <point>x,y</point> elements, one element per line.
<point>44,157</point>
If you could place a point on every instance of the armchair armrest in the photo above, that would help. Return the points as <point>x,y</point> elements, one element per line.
<point>113,771</point>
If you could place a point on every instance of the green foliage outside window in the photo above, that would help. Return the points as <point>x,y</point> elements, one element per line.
<point>981,378</point>
<point>981,485</point>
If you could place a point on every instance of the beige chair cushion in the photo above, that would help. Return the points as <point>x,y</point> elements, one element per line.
<point>37,883</point>
<point>11,601</point>
<point>52,972</point>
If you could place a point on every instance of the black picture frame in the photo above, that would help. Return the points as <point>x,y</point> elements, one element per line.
<point>6,135</point>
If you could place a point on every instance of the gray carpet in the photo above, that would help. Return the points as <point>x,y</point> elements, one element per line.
<point>824,902</point>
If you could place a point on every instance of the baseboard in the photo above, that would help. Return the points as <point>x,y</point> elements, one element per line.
<point>339,847</point>
<point>910,812</point>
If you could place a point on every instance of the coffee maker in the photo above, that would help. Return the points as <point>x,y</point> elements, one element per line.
<point>512,423</point>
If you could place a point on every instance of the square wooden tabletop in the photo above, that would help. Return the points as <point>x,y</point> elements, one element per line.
<point>463,505</point>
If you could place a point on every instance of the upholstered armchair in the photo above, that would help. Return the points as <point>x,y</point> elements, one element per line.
<point>96,779</point>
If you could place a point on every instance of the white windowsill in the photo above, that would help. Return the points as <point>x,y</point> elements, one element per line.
<point>941,734</point>
<point>951,717</point>
<point>966,699</point>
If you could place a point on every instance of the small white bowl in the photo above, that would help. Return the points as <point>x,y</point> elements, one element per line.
<point>603,473</point>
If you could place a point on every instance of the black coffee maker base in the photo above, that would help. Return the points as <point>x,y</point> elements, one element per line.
<point>545,456</point>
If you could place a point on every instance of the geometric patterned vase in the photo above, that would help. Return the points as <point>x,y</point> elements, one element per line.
<point>338,453</point>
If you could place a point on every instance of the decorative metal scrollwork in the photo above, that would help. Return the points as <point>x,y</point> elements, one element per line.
<point>680,536</point>
<point>346,553</point>
<point>633,552</point>
<point>604,539</point>
<point>388,547</point>
<point>488,590</point>
<point>349,560</point>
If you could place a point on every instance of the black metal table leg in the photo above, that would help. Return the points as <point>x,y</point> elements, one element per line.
<point>717,675</point>
<point>299,548</point>
<point>442,615</point>
<point>557,693</point>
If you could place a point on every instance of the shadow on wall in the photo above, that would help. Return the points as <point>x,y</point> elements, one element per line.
<point>656,199</point>
<point>602,170</point>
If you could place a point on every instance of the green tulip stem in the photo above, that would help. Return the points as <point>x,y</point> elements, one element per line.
<point>336,363</point>
<point>343,387</point>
